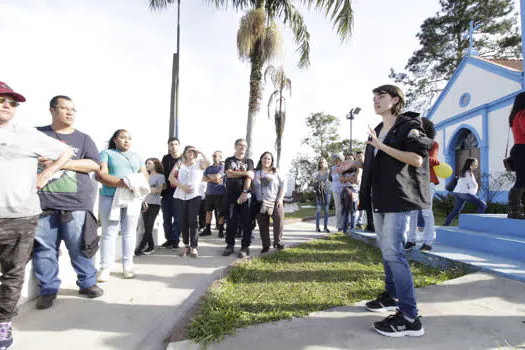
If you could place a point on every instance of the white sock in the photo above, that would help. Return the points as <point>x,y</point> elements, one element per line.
<point>411,320</point>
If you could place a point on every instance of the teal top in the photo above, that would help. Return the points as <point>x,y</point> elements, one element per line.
<point>120,164</point>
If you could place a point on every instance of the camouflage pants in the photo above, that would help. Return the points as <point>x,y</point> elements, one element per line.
<point>16,242</point>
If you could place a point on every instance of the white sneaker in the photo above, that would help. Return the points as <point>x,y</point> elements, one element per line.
<point>128,272</point>
<point>103,275</point>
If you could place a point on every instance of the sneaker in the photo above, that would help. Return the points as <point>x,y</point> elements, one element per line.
<point>228,250</point>
<point>148,251</point>
<point>103,275</point>
<point>45,301</point>
<point>398,326</point>
<point>244,253</point>
<point>317,229</point>
<point>221,233</point>
<point>326,230</point>
<point>91,292</point>
<point>265,250</point>
<point>409,245</point>
<point>279,246</point>
<point>194,252</point>
<point>174,246</point>
<point>138,252</point>
<point>128,272</point>
<point>425,247</point>
<point>384,302</point>
<point>206,232</point>
<point>166,244</point>
<point>6,335</point>
<point>185,252</point>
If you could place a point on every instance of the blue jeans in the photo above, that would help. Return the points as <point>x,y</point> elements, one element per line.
<point>391,229</point>
<point>49,234</point>
<point>353,216</point>
<point>461,200</point>
<point>171,220</point>
<point>429,232</point>
<point>110,229</point>
<point>325,207</point>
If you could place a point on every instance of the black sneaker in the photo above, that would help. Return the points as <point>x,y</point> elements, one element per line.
<point>6,335</point>
<point>244,253</point>
<point>91,292</point>
<point>318,229</point>
<point>398,326</point>
<point>221,233</point>
<point>384,302</point>
<point>174,245</point>
<point>326,230</point>
<point>425,247</point>
<point>279,246</point>
<point>228,250</point>
<point>148,251</point>
<point>138,252</point>
<point>265,250</point>
<point>206,232</point>
<point>166,244</point>
<point>409,245</point>
<point>45,301</point>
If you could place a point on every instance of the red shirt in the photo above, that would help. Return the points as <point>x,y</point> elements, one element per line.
<point>433,161</point>
<point>518,128</point>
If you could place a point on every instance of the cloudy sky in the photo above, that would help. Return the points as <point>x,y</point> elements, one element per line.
<point>114,59</point>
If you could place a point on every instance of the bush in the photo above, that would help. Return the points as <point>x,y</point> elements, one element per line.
<point>446,202</point>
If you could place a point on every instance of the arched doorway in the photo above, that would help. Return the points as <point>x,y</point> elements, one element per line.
<point>465,144</point>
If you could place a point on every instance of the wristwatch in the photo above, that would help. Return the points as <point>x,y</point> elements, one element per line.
<point>245,191</point>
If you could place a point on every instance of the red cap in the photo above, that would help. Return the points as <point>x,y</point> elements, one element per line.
<point>6,90</point>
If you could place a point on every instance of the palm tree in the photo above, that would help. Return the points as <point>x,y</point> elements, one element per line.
<point>257,28</point>
<point>281,83</point>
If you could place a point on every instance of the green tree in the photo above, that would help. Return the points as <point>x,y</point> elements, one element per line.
<point>339,12</point>
<point>281,83</point>
<point>444,43</point>
<point>322,133</point>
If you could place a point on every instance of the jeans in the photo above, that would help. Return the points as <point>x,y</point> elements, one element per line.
<point>429,232</point>
<point>461,200</point>
<point>189,212</point>
<point>361,214</point>
<point>325,207</point>
<point>236,214</point>
<point>50,232</point>
<point>391,229</point>
<point>338,210</point>
<point>353,216</point>
<point>16,241</point>
<point>110,229</point>
<point>171,220</point>
<point>149,216</point>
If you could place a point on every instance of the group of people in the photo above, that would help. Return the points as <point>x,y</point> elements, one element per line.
<point>50,199</point>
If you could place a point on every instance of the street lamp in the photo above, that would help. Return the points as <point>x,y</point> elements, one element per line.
<point>350,116</point>
<point>174,105</point>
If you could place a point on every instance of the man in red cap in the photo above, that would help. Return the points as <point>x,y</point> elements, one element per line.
<point>20,149</point>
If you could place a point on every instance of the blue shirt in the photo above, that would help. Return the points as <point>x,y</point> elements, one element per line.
<point>214,189</point>
<point>120,164</point>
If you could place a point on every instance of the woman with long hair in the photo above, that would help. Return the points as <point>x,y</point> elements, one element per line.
<point>466,191</point>
<point>117,162</point>
<point>151,205</point>
<point>188,195</point>
<point>323,193</point>
<point>269,189</point>
<point>517,153</point>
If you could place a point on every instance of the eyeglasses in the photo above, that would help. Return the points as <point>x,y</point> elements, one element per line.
<point>72,110</point>
<point>12,103</point>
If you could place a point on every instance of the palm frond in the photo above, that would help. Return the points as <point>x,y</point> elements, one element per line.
<point>160,4</point>
<point>238,5</point>
<point>252,28</point>
<point>271,99</point>
<point>271,42</point>
<point>288,85</point>
<point>294,19</point>
<point>340,13</point>
<point>270,73</point>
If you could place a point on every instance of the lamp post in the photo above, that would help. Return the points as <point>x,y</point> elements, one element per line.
<point>174,106</point>
<point>353,112</point>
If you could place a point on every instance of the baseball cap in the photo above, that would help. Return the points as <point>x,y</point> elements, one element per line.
<point>6,90</point>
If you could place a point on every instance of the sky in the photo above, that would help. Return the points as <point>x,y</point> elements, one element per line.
<point>114,59</point>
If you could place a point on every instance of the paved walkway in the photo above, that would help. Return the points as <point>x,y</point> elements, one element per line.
<point>134,314</point>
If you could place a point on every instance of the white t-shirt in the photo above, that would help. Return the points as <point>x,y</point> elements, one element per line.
<point>190,176</point>
<point>467,184</point>
<point>20,147</point>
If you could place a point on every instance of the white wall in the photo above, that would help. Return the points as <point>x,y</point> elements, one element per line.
<point>483,87</point>
<point>498,129</point>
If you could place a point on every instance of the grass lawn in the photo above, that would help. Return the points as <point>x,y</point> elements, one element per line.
<point>305,210</point>
<point>314,276</point>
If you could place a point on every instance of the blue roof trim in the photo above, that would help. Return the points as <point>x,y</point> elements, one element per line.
<point>490,67</point>
<point>491,106</point>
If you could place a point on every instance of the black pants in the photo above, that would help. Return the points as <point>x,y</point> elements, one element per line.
<point>149,217</point>
<point>16,241</point>
<point>237,214</point>
<point>518,155</point>
<point>189,210</point>
<point>202,213</point>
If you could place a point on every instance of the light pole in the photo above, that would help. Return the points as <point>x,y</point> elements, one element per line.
<point>174,106</point>
<point>350,116</point>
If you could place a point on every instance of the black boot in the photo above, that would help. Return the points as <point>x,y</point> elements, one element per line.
<point>207,231</point>
<point>221,230</point>
<point>515,196</point>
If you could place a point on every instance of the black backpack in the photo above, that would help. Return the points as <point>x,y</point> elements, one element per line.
<point>451,185</point>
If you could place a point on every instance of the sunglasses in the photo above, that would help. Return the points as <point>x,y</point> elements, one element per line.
<point>12,103</point>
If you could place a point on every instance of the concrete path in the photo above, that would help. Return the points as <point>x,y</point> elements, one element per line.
<point>477,311</point>
<point>140,313</point>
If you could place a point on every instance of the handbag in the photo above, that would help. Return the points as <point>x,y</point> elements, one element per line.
<point>267,205</point>
<point>508,162</point>
<point>451,185</point>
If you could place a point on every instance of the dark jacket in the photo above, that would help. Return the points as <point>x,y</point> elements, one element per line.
<point>397,186</point>
<point>168,162</point>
